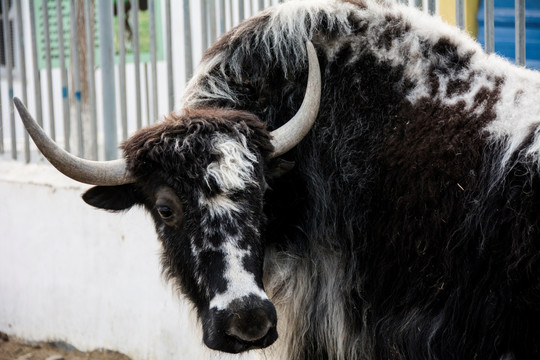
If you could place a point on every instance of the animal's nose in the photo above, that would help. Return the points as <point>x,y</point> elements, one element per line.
<point>249,325</point>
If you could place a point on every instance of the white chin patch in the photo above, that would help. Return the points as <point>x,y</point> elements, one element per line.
<point>240,283</point>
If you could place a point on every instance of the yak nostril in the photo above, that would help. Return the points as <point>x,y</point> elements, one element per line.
<point>249,325</point>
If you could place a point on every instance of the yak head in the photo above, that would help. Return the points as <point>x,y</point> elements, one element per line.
<point>201,174</point>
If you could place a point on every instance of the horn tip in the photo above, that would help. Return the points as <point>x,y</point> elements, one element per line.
<point>18,103</point>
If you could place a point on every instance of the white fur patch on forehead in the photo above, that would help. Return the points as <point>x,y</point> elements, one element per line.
<point>218,205</point>
<point>240,283</point>
<point>234,168</point>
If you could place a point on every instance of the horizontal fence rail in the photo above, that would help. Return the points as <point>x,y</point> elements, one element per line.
<point>91,60</point>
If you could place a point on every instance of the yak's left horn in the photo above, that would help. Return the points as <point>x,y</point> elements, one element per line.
<point>87,171</point>
<point>290,134</point>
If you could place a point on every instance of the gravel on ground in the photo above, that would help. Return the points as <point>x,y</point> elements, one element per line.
<point>17,349</point>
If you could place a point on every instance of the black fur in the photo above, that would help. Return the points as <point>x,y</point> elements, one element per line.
<point>439,254</point>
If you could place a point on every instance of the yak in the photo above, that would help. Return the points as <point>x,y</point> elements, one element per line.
<point>355,175</point>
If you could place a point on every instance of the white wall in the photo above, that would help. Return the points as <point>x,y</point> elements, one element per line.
<point>91,278</point>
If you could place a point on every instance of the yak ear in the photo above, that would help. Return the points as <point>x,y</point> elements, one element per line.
<point>278,167</point>
<point>114,198</point>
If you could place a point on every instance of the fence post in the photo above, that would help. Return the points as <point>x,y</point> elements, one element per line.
<point>187,42</point>
<point>63,75</point>
<point>520,32</point>
<point>45,12</point>
<point>489,26</point>
<point>168,40</point>
<point>23,74</point>
<point>120,7</point>
<point>241,12</point>
<point>460,14</point>
<point>76,75</point>
<point>9,70</point>
<point>105,13</point>
<point>35,67</point>
<point>90,68</point>
<point>212,28</point>
<point>153,58</point>
<point>136,60</point>
<point>204,24</point>
<point>222,17</point>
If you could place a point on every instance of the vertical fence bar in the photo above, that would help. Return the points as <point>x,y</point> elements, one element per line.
<point>153,58</point>
<point>432,7</point>
<point>212,22</point>
<point>122,68</point>
<point>204,24</point>
<point>489,26</point>
<point>231,14</point>
<point>45,13</point>
<point>520,32</point>
<point>89,28</point>
<point>9,69</point>
<point>76,76</point>
<point>168,40</point>
<point>241,10</point>
<point>63,74</point>
<point>136,60</point>
<point>22,62</point>
<point>1,125</point>
<point>35,65</point>
<point>147,93</point>
<point>107,77</point>
<point>222,17</point>
<point>1,116</point>
<point>460,14</point>
<point>188,57</point>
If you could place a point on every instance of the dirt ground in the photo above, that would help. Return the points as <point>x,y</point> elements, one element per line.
<point>15,349</point>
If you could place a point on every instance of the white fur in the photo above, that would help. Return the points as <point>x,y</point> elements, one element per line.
<point>219,205</point>
<point>518,111</point>
<point>234,169</point>
<point>314,285</point>
<point>240,282</point>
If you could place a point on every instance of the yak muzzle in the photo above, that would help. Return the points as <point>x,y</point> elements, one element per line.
<point>251,325</point>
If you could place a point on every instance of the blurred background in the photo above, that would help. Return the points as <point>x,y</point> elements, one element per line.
<point>92,72</point>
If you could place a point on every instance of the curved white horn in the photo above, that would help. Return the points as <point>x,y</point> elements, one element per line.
<point>291,133</point>
<point>90,172</point>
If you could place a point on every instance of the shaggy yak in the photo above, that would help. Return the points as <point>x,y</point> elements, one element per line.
<point>397,219</point>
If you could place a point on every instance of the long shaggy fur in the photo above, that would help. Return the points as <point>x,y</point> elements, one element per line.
<point>409,227</point>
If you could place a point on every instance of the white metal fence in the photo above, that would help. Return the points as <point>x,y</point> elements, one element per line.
<point>81,65</point>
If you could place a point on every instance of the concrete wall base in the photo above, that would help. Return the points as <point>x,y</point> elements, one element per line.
<point>84,276</point>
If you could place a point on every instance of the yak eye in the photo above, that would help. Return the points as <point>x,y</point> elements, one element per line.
<point>165,212</point>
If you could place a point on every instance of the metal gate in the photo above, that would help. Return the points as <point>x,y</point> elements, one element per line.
<point>93,60</point>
